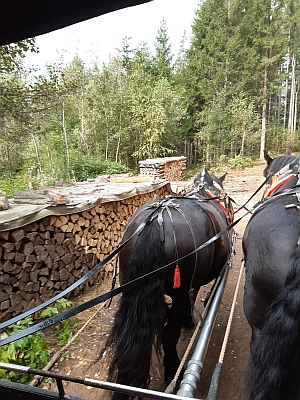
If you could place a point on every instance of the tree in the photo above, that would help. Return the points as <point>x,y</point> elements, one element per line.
<point>262,36</point>
<point>154,110</point>
<point>162,61</point>
<point>12,54</point>
<point>109,85</point>
<point>13,94</point>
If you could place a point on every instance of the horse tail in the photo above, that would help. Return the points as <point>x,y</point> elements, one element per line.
<point>275,358</point>
<point>141,315</point>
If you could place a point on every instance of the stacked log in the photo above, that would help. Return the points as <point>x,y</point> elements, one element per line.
<point>43,258</point>
<point>175,170</point>
<point>170,168</point>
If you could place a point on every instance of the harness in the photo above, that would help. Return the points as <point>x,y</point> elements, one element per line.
<point>276,181</point>
<point>284,175</point>
<point>209,193</point>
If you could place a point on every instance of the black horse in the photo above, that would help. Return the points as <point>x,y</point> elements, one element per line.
<point>272,288</point>
<point>154,312</point>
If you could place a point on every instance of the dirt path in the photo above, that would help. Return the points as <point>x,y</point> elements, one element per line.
<point>82,360</point>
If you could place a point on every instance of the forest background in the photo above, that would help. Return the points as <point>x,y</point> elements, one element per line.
<point>231,94</point>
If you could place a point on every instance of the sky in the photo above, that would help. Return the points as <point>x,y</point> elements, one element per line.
<point>98,37</point>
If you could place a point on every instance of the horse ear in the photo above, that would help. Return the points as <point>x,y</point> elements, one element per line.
<point>287,152</point>
<point>268,158</point>
<point>222,178</point>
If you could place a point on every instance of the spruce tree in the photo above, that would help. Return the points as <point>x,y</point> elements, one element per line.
<point>162,61</point>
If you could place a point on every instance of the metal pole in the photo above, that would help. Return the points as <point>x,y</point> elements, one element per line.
<point>213,390</point>
<point>191,376</point>
<point>133,391</point>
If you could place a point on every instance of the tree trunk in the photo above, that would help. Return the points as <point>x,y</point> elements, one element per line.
<point>264,112</point>
<point>286,84</point>
<point>82,119</point>
<point>65,139</point>
<point>37,153</point>
<point>9,160</point>
<point>120,129</point>
<point>207,153</point>
<point>243,140</point>
<point>285,100</point>
<point>107,130</point>
<point>292,97</point>
<point>295,116</point>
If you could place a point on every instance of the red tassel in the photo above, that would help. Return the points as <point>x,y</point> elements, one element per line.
<point>177,280</point>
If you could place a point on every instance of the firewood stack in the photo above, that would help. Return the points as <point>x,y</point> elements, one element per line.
<point>41,259</point>
<point>170,168</point>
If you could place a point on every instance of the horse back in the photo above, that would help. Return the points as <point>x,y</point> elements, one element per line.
<point>182,225</point>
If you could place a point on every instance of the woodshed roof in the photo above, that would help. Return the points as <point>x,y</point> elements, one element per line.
<point>31,205</point>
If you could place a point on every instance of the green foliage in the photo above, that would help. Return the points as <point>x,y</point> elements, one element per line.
<point>64,328</point>
<point>191,171</point>
<point>238,162</point>
<point>217,170</point>
<point>83,168</point>
<point>32,351</point>
<point>188,174</point>
<point>8,185</point>
<point>162,61</point>
<point>14,51</point>
<point>56,308</point>
<point>90,167</point>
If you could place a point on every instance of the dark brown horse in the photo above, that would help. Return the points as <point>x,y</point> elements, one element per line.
<point>272,288</point>
<point>178,227</point>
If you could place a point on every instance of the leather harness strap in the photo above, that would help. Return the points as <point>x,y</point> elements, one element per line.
<point>160,221</point>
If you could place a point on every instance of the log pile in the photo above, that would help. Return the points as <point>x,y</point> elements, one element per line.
<point>41,259</point>
<point>170,168</point>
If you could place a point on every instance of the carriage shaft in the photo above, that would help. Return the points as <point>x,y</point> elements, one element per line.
<point>191,376</point>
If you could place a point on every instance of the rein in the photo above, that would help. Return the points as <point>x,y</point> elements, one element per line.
<point>256,191</point>
<point>85,277</point>
<point>127,286</point>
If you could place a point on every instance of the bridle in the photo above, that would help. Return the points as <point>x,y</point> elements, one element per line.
<point>277,179</point>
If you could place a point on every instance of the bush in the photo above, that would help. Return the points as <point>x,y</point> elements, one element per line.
<point>81,170</point>
<point>32,351</point>
<point>92,167</point>
<point>236,162</point>
<point>29,351</point>
<point>9,185</point>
